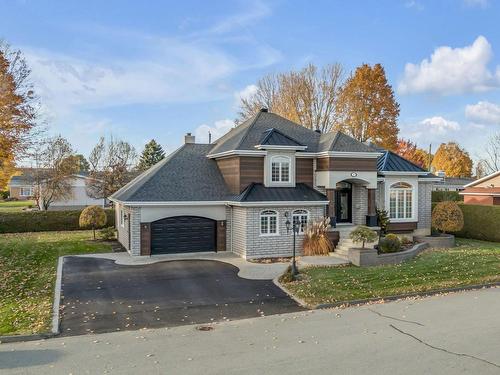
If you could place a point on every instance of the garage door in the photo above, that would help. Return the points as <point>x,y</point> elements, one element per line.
<point>182,234</point>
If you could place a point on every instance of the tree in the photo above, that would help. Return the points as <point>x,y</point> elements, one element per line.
<point>83,164</point>
<point>307,97</point>
<point>491,163</point>
<point>447,217</point>
<point>110,166</point>
<point>453,160</point>
<point>92,217</point>
<point>18,109</point>
<point>409,150</point>
<point>362,234</point>
<point>152,154</point>
<point>366,108</point>
<point>55,164</point>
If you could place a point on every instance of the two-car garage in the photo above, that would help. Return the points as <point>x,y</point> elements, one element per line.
<point>183,234</point>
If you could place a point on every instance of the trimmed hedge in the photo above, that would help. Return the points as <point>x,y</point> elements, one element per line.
<point>43,221</point>
<point>443,196</point>
<point>480,222</point>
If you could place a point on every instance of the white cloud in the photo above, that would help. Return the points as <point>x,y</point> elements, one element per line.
<point>476,3</point>
<point>246,93</point>
<point>483,113</point>
<point>439,125</point>
<point>219,128</point>
<point>452,70</point>
<point>415,5</point>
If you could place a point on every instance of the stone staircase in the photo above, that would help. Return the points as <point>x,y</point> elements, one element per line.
<point>345,243</point>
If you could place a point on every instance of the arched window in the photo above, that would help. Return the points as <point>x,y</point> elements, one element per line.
<point>300,217</point>
<point>280,169</point>
<point>401,201</point>
<point>268,223</point>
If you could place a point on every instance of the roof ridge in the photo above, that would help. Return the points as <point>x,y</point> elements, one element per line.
<point>146,175</point>
<point>248,130</point>
<point>274,130</point>
<point>405,159</point>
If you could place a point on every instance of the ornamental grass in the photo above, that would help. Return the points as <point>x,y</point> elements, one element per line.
<point>316,241</point>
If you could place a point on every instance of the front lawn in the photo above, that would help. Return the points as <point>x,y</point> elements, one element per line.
<point>28,263</point>
<point>14,206</point>
<point>471,262</point>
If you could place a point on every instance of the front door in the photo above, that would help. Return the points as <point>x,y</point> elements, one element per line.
<point>343,204</point>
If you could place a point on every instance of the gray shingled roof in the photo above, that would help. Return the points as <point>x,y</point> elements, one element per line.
<point>391,162</point>
<point>276,138</point>
<point>185,175</point>
<point>249,134</point>
<point>259,193</point>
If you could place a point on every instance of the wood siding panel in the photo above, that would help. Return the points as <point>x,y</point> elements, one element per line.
<point>230,169</point>
<point>304,171</point>
<point>145,239</point>
<point>346,164</point>
<point>251,170</point>
<point>402,227</point>
<point>221,235</point>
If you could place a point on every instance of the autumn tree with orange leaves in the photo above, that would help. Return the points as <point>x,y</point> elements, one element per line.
<point>366,108</point>
<point>18,110</point>
<point>453,160</point>
<point>409,150</point>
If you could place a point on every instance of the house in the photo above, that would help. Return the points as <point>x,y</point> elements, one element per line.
<point>485,191</point>
<point>451,183</point>
<point>238,193</point>
<point>23,187</point>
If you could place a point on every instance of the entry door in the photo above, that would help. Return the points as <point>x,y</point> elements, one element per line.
<point>343,205</point>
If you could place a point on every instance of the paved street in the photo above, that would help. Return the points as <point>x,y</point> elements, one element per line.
<point>454,334</point>
<point>101,296</point>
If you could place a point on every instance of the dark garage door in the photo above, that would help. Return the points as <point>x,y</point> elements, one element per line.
<point>182,234</point>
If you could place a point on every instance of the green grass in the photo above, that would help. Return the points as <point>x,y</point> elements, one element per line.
<point>14,205</point>
<point>471,262</point>
<point>28,263</point>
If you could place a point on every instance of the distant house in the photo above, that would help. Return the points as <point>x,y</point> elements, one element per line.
<point>485,191</point>
<point>22,187</point>
<point>451,183</point>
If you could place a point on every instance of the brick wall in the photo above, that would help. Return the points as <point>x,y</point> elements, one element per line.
<point>135,231</point>
<point>380,196</point>
<point>424,206</point>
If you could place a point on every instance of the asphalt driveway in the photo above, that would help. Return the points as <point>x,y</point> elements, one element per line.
<point>101,296</point>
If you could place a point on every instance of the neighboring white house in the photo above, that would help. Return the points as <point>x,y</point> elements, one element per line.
<point>22,188</point>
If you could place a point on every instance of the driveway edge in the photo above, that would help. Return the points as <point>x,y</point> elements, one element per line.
<point>300,301</point>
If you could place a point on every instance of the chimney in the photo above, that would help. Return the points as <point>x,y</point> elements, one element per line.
<point>188,138</point>
<point>264,110</point>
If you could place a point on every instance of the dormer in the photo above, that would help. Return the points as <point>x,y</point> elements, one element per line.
<point>279,161</point>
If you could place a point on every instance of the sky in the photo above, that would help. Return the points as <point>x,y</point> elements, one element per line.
<point>156,69</point>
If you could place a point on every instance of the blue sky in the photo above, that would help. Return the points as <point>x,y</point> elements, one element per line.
<point>142,70</point>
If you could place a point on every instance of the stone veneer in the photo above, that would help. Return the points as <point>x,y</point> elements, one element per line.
<point>247,241</point>
<point>424,208</point>
<point>134,213</point>
<point>359,204</point>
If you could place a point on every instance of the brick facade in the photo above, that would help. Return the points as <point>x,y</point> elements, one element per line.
<point>424,207</point>
<point>359,204</point>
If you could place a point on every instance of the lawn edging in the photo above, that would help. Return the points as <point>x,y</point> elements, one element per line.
<point>408,295</point>
<point>300,301</point>
<point>55,331</point>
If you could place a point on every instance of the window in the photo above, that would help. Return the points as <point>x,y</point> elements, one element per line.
<point>268,223</point>
<point>25,192</point>
<point>300,217</point>
<point>122,217</point>
<point>280,169</point>
<point>401,201</point>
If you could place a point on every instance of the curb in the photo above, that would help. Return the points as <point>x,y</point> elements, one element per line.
<point>300,301</point>
<point>55,314</point>
<point>403,296</point>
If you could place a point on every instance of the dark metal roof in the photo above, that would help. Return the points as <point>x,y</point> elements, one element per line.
<point>276,138</point>
<point>300,193</point>
<point>249,134</point>
<point>185,175</point>
<point>391,162</point>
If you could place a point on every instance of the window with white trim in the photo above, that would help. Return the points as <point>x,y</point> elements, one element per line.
<point>268,223</point>
<point>400,201</point>
<point>300,217</point>
<point>280,169</point>
<point>25,192</point>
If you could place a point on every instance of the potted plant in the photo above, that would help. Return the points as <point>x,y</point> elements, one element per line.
<point>362,234</point>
